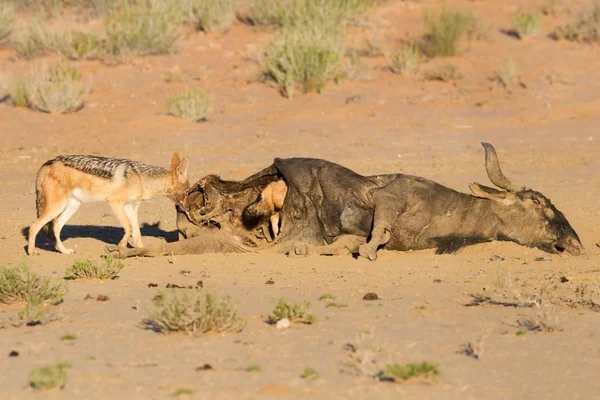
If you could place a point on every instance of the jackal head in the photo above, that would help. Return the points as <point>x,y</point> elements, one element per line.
<point>178,182</point>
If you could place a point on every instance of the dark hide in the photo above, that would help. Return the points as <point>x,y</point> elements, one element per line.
<point>330,209</point>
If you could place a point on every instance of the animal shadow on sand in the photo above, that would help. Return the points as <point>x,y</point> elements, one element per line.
<point>106,234</point>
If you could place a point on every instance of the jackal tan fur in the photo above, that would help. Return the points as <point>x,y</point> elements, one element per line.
<point>267,205</point>
<point>65,182</point>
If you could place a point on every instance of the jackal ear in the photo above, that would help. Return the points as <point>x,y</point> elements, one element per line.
<point>175,161</point>
<point>182,170</point>
<point>485,192</point>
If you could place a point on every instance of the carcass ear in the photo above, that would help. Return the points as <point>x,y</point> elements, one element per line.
<point>175,161</point>
<point>182,170</point>
<point>485,192</point>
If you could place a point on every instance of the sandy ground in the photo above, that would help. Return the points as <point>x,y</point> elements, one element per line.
<point>546,133</point>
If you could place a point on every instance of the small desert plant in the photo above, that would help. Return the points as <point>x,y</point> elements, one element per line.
<point>543,318</point>
<point>474,348</point>
<point>191,105</point>
<point>49,377</point>
<point>309,373</point>
<point>209,15</point>
<point>527,24</point>
<point>4,87</point>
<point>445,30</point>
<point>327,296</point>
<point>253,368</point>
<point>294,312</point>
<point>19,94</point>
<point>144,27</point>
<point>108,268</point>
<point>586,29</point>
<point>336,305</point>
<point>183,392</point>
<point>265,12</point>
<point>58,89</point>
<point>405,60</point>
<point>444,73</point>
<point>21,284</point>
<point>362,354</point>
<point>507,73</point>
<point>69,337</point>
<point>7,19</point>
<point>81,45</point>
<point>194,314</point>
<point>33,314</point>
<point>37,41</point>
<point>304,58</point>
<point>402,373</point>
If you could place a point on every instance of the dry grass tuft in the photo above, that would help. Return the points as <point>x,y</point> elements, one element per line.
<point>405,61</point>
<point>445,30</point>
<point>89,269</point>
<point>49,377</point>
<point>294,312</point>
<point>21,284</point>
<point>191,105</point>
<point>527,24</point>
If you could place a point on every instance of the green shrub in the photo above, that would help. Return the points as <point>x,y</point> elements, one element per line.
<point>81,45</point>
<point>49,377</point>
<point>21,284</point>
<point>194,314</point>
<point>402,373</point>
<point>294,312</point>
<point>191,105</point>
<point>527,24</point>
<point>89,269</point>
<point>304,58</point>
<point>58,89</point>
<point>445,30</point>
<point>210,15</point>
<point>144,27</point>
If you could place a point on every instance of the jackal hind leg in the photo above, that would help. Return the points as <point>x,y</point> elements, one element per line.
<point>60,221</point>
<point>54,207</point>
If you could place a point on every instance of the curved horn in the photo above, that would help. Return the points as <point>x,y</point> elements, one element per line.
<point>492,166</point>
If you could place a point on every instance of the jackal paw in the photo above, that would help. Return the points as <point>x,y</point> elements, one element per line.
<point>67,251</point>
<point>33,252</point>
<point>367,251</point>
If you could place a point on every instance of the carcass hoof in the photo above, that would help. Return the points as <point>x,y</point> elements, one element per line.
<point>367,251</point>
<point>114,251</point>
<point>298,250</point>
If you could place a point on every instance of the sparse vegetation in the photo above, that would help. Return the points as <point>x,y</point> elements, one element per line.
<point>527,24</point>
<point>336,305</point>
<point>194,313</point>
<point>294,312</point>
<point>520,332</point>
<point>38,40</point>
<point>507,73</point>
<point>58,89</point>
<point>327,296</point>
<point>253,368</point>
<point>183,392</point>
<point>474,348</point>
<point>34,313</point>
<point>586,29</point>
<point>310,373</point>
<point>265,13</point>
<point>69,337</point>
<point>209,15</point>
<point>401,373</point>
<point>81,45</point>
<point>191,105</point>
<point>89,269</point>
<point>4,87</point>
<point>7,20</point>
<point>19,94</point>
<point>362,354</point>
<point>49,377</point>
<point>543,318</point>
<point>405,61</point>
<point>304,58</point>
<point>444,73</point>
<point>445,30</point>
<point>21,284</point>
<point>145,27</point>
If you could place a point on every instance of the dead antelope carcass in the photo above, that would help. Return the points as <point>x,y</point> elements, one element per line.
<point>329,209</point>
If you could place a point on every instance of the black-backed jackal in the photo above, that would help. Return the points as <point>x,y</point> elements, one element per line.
<point>65,182</point>
<point>267,206</point>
